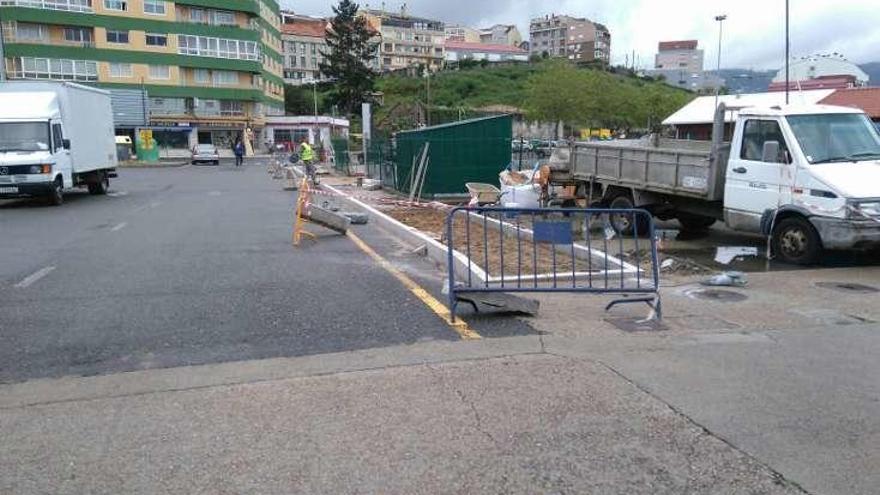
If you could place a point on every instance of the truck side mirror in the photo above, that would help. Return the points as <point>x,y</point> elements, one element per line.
<point>65,144</point>
<point>771,152</point>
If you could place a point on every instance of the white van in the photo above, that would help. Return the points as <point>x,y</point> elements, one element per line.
<point>55,136</point>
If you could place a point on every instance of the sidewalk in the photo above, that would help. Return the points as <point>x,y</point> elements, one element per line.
<point>524,424</point>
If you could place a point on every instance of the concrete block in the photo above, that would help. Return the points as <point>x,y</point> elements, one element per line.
<point>328,219</point>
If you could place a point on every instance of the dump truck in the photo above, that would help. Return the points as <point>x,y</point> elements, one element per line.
<point>806,176</point>
<point>55,136</point>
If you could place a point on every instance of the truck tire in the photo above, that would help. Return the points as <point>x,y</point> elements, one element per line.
<point>796,241</point>
<point>56,195</point>
<point>624,224</point>
<point>694,223</point>
<point>100,187</point>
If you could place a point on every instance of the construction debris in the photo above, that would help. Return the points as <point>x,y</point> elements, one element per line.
<point>728,279</point>
<point>356,218</point>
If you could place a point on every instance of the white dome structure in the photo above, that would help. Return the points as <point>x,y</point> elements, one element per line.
<point>816,66</point>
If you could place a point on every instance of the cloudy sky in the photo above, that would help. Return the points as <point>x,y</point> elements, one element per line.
<point>753,33</point>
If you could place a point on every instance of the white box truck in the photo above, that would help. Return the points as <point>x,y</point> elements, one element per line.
<point>55,136</point>
<point>807,176</point>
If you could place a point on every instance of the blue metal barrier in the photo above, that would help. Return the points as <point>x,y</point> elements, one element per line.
<point>564,250</point>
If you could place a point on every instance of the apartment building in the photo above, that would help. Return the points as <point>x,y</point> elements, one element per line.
<point>462,34</point>
<point>681,64</point>
<point>407,41</point>
<point>577,39</point>
<point>501,34</point>
<point>304,41</point>
<point>208,70</point>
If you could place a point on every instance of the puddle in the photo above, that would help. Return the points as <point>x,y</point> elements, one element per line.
<point>704,250</point>
<point>848,287</point>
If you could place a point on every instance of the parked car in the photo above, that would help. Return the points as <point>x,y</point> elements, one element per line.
<point>205,153</point>
<point>520,146</point>
<point>544,148</point>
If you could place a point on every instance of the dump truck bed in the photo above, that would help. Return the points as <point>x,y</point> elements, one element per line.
<point>674,167</point>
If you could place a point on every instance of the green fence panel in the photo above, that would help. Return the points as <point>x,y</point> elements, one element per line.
<point>340,150</point>
<point>468,151</point>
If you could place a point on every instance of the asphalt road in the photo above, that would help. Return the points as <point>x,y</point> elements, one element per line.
<point>186,266</point>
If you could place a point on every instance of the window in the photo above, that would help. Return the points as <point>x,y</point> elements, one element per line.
<point>116,5</point>
<point>58,69</point>
<point>30,32</point>
<point>117,36</point>
<point>155,7</point>
<point>758,132</point>
<point>57,137</point>
<point>202,76</point>
<point>78,35</point>
<point>197,15</point>
<point>225,78</point>
<point>231,108</point>
<point>836,137</point>
<point>224,18</point>
<point>155,39</point>
<point>162,72</point>
<point>120,70</point>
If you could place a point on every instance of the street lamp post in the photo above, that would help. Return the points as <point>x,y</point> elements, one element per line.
<point>720,19</point>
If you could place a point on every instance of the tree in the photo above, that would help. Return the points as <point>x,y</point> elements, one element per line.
<point>555,94</point>
<point>298,100</point>
<point>348,56</point>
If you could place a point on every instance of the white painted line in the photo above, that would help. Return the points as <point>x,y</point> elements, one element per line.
<point>119,227</point>
<point>118,194</point>
<point>215,193</point>
<point>31,280</point>
<point>155,204</point>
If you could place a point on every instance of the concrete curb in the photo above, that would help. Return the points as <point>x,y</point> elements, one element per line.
<point>436,250</point>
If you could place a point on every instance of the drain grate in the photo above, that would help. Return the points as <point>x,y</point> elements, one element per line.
<point>848,287</point>
<point>717,295</point>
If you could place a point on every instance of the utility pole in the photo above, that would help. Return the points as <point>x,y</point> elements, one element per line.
<point>720,19</point>
<point>787,51</point>
<point>2,54</point>
<point>428,97</point>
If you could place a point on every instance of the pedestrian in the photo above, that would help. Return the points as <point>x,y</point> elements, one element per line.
<point>238,150</point>
<point>307,155</point>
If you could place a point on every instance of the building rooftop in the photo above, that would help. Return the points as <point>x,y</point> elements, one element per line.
<point>665,46</point>
<point>702,110</point>
<point>866,99</point>
<point>315,28</point>
<point>816,66</point>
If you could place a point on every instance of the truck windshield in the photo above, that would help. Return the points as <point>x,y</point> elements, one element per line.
<point>831,138</point>
<point>24,136</point>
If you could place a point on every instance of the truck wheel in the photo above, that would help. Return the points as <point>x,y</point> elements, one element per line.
<point>56,196</point>
<point>100,187</point>
<point>796,241</point>
<point>627,224</point>
<point>695,223</point>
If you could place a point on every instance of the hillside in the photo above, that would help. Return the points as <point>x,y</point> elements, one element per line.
<point>461,93</point>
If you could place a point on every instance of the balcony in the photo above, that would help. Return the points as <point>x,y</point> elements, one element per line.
<point>83,6</point>
<point>47,35</point>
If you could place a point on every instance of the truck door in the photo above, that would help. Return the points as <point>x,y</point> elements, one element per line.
<point>755,185</point>
<point>62,155</point>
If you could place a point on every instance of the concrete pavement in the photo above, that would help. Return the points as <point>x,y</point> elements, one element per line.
<point>179,345</point>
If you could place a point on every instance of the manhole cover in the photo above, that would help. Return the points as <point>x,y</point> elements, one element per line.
<point>848,287</point>
<point>717,295</point>
<point>632,325</point>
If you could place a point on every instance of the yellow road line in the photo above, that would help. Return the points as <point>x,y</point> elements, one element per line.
<point>460,326</point>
